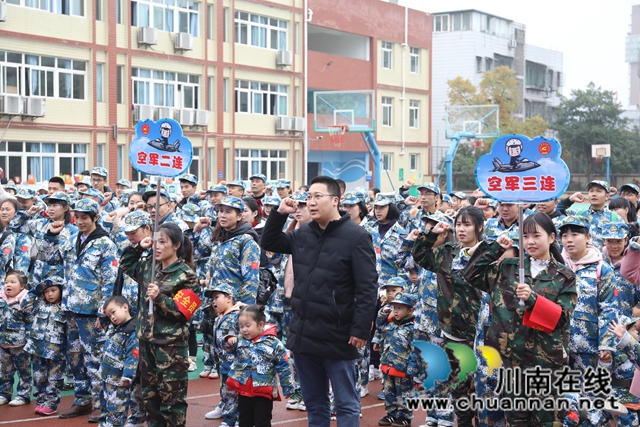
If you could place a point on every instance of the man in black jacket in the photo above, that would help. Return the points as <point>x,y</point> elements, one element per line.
<point>333,300</point>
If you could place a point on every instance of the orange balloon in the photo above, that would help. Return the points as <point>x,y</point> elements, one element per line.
<point>31,179</point>
<point>169,180</point>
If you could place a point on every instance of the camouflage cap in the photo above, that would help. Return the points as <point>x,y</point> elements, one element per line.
<point>577,220</point>
<point>135,220</point>
<point>271,201</point>
<point>124,183</point>
<point>52,281</point>
<point>84,181</point>
<point>191,178</point>
<point>92,192</point>
<point>10,187</point>
<point>384,199</point>
<point>446,198</point>
<point>614,230</point>
<point>283,183</point>
<point>405,298</point>
<point>630,186</point>
<point>493,203</point>
<point>26,193</point>
<point>300,197</point>
<point>189,212</point>
<point>627,321</point>
<point>100,171</point>
<point>259,176</point>
<point>394,281</point>
<point>126,195</point>
<point>237,183</point>
<point>603,184</point>
<point>218,189</point>
<point>460,195</point>
<point>362,193</point>
<point>152,193</point>
<point>58,195</point>
<point>350,198</point>
<point>225,288</point>
<point>431,186</point>
<point>87,206</point>
<point>437,216</point>
<point>232,202</point>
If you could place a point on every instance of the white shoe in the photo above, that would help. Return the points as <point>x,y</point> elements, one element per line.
<point>134,425</point>
<point>193,366</point>
<point>224,425</point>
<point>302,406</point>
<point>364,390</point>
<point>18,401</point>
<point>215,414</point>
<point>374,373</point>
<point>3,400</point>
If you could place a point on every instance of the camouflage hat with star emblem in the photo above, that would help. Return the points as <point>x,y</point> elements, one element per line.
<point>135,220</point>
<point>576,220</point>
<point>86,206</point>
<point>232,202</point>
<point>189,212</point>
<point>614,230</point>
<point>431,186</point>
<point>384,199</point>
<point>603,184</point>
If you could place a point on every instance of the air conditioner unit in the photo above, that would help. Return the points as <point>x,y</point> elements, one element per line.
<point>11,104</point>
<point>147,36</point>
<point>284,58</point>
<point>183,41</point>
<point>299,124</point>
<point>202,118</point>
<point>3,11</point>
<point>185,117</point>
<point>142,113</point>
<point>513,43</point>
<point>284,123</point>
<point>163,113</point>
<point>34,107</point>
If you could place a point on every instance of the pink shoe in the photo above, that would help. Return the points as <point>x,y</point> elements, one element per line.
<point>38,410</point>
<point>47,411</point>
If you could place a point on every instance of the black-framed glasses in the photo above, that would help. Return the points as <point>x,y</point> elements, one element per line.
<point>317,197</point>
<point>149,207</point>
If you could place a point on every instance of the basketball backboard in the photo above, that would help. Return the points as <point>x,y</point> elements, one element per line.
<point>481,120</point>
<point>355,109</point>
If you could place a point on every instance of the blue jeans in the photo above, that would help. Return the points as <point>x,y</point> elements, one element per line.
<point>315,374</point>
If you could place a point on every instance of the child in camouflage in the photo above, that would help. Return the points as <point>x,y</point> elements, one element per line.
<point>47,342</point>
<point>13,338</point>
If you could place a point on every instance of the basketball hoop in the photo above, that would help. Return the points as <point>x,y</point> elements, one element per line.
<point>336,133</point>
<point>599,159</point>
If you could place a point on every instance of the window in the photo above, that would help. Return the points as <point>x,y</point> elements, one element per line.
<point>165,88</point>
<point>119,151</point>
<point>119,83</point>
<point>61,7</point>
<point>387,111</point>
<point>175,16</point>
<point>462,21</point>
<point>194,167</point>
<point>210,100</point>
<point>43,160</point>
<point>211,163</point>
<point>559,78</point>
<point>225,17</point>
<point>479,61</point>
<point>99,80</point>
<point>414,162</point>
<point>414,113</point>
<point>272,163</point>
<point>489,63</point>
<point>387,55</point>
<point>98,10</point>
<point>550,79</point>
<point>535,75</point>
<point>500,60</point>
<point>119,18</point>
<point>225,163</point>
<point>261,98</point>
<point>414,57</point>
<point>33,75</point>
<point>387,161</point>
<point>441,23</point>
<point>100,155</point>
<point>210,26</point>
<point>260,31</point>
<point>225,84</point>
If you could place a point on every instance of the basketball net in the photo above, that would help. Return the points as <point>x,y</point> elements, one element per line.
<point>599,159</point>
<point>336,134</point>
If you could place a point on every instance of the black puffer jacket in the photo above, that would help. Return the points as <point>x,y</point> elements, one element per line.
<point>336,288</point>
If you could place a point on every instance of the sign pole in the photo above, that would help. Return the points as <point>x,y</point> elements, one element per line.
<point>521,251</point>
<point>155,240</point>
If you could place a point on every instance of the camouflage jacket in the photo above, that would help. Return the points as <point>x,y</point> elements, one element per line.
<point>494,227</point>
<point>597,218</point>
<point>13,320</point>
<point>168,325</point>
<point>410,219</point>
<point>90,269</point>
<point>120,354</point>
<point>396,347</point>
<point>625,291</point>
<point>172,218</point>
<point>47,336</point>
<point>225,327</point>
<point>255,364</point>
<point>458,303</point>
<point>7,249</point>
<point>386,249</point>
<point>519,344</point>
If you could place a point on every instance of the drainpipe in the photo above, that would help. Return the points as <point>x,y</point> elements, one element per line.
<point>405,46</point>
<point>305,51</point>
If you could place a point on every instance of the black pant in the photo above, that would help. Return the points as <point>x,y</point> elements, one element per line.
<point>254,411</point>
<point>193,341</point>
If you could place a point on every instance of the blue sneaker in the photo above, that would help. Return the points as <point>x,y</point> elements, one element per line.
<point>380,396</point>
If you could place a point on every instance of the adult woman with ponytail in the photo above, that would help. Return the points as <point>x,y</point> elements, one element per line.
<point>164,334</point>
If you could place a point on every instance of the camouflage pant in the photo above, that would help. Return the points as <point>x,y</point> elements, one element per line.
<point>362,366</point>
<point>396,390</point>
<point>48,378</point>
<point>228,402</point>
<point>14,360</point>
<point>209,361</point>
<point>581,361</point>
<point>116,399</point>
<point>164,378</point>
<point>84,352</point>
<point>136,405</point>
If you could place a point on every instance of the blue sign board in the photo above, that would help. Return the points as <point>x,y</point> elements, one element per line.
<point>519,169</point>
<point>159,148</point>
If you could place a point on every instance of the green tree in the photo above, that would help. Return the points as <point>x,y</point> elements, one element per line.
<point>463,166</point>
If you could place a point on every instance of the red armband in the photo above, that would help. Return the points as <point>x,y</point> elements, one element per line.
<point>187,302</point>
<point>544,316</point>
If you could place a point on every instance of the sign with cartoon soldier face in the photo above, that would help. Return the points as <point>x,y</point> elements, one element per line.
<point>519,169</point>
<point>159,148</point>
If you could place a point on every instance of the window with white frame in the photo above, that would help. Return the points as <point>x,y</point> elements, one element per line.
<point>387,161</point>
<point>387,55</point>
<point>99,82</point>
<point>479,62</point>
<point>271,163</point>
<point>414,162</point>
<point>175,16</point>
<point>260,31</point>
<point>119,156</point>
<point>489,63</point>
<point>440,23</point>
<point>387,111</point>
<point>61,7</point>
<point>42,160</point>
<point>165,88</point>
<point>100,155</point>
<point>34,75</point>
<point>414,57</point>
<point>261,98</point>
<point>414,113</point>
